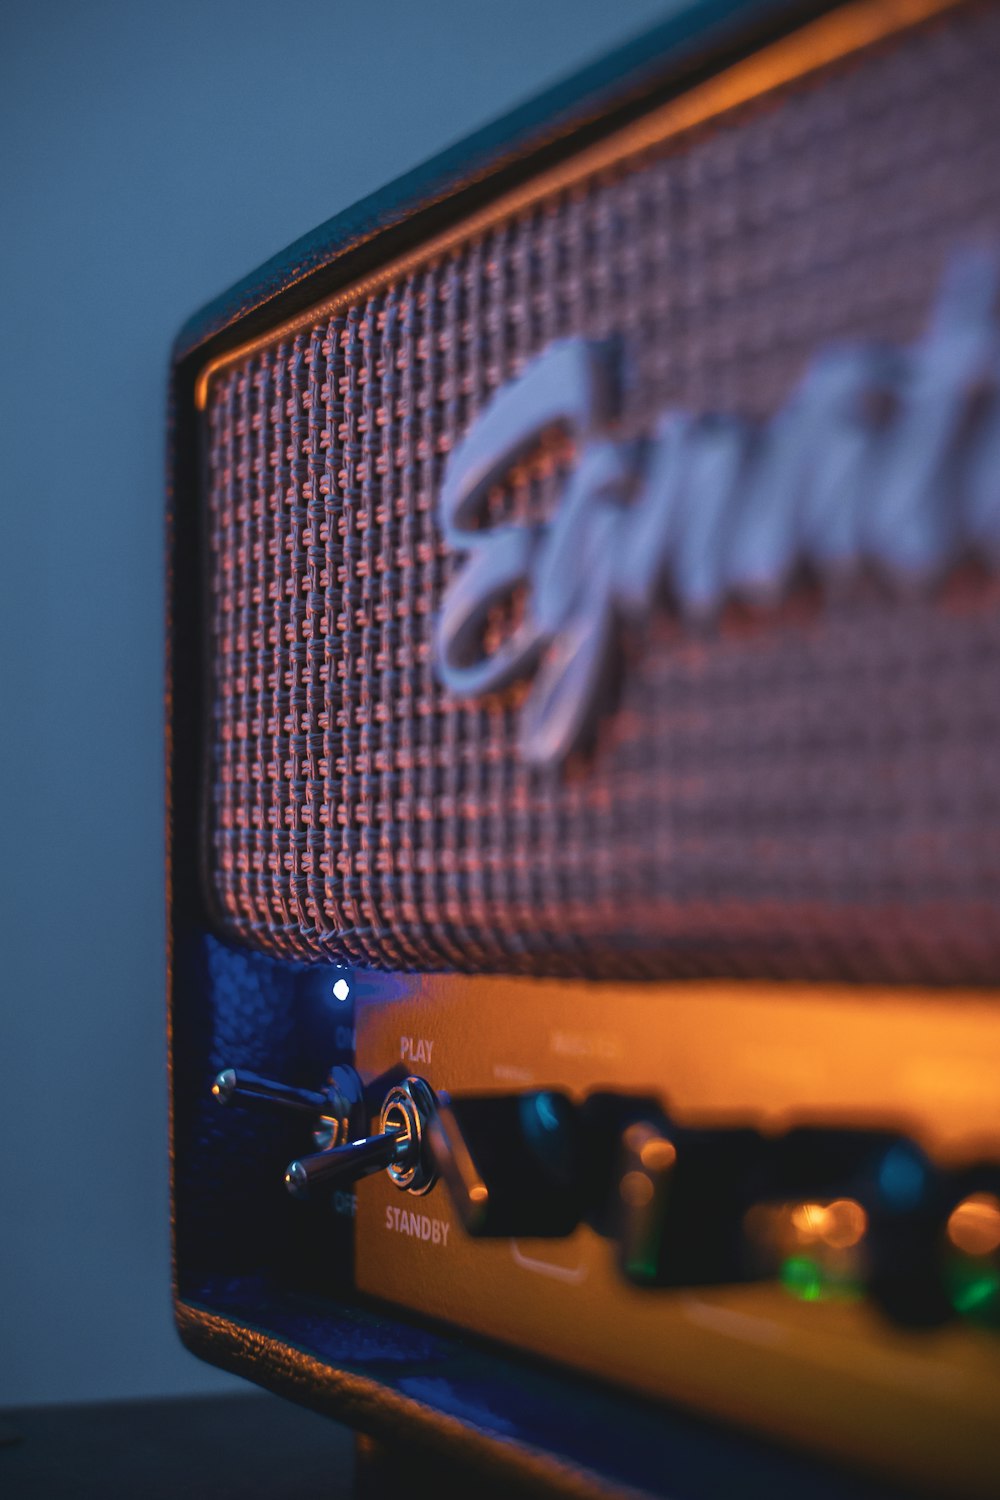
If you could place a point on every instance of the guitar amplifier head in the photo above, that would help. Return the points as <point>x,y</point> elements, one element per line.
<point>585,630</point>
<point>586,589</point>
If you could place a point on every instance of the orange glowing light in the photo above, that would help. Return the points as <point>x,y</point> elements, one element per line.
<point>846,1224</point>
<point>658,1155</point>
<point>974,1226</point>
<point>807,1220</point>
<point>840,1224</point>
<point>635,1190</point>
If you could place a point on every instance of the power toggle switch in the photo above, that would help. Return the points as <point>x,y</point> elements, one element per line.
<point>337,1110</point>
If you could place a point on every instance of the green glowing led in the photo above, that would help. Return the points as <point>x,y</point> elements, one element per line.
<point>973,1284</point>
<point>802,1277</point>
<point>641,1267</point>
<point>974,1293</point>
<point>811,1281</point>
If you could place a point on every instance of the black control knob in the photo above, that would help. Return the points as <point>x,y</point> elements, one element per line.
<point>829,1212</point>
<point>935,1240</point>
<point>513,1164</point>
<point>971,1247</point>
<point>842,1212</point>
<point>845,1212</point>
<point>682,1198</point>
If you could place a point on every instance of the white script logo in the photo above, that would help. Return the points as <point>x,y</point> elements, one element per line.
<point>882,458</point>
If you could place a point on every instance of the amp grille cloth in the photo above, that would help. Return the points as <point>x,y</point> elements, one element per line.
<point>814,792</point>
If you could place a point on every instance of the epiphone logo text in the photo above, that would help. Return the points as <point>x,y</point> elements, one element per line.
<point>885,459</point>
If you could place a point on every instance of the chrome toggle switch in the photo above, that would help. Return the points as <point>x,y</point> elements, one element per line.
<point>337,1110</point>
<point>349,1162</point>
<point>230,1085</point>
<point>399,1147</point>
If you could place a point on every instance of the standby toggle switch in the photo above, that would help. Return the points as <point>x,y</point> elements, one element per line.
<point>398,1148</point>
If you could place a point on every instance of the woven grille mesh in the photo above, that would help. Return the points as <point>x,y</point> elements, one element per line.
<point>812,792</point>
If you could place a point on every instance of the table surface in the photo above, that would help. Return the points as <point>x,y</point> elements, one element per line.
<point>259,1447</point>
<point>223,1447</point>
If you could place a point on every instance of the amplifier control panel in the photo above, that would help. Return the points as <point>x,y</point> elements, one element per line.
<point>780,1204</point>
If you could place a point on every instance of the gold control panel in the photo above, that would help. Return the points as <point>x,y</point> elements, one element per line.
<point>801,1349</point>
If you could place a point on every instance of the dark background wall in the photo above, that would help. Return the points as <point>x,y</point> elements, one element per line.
<point>150,154</point>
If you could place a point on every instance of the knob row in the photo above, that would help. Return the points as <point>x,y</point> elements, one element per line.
<point>685,1207</point>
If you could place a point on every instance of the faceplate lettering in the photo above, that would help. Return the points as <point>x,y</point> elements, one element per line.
<point>417,1226</point>
<point>416,1049</point>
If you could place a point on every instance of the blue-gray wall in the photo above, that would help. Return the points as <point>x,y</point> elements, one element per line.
<point>150,154</point>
